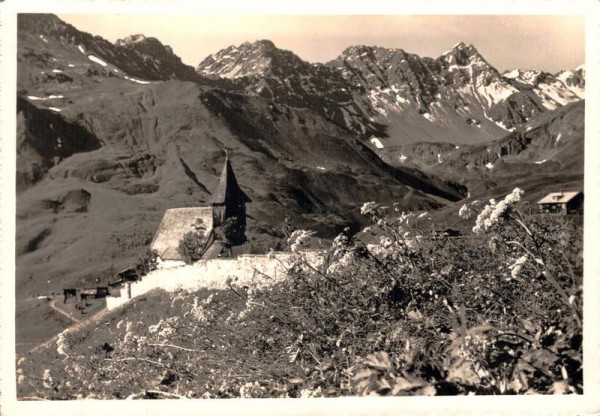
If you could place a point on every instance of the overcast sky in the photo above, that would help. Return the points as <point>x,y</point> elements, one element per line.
<point>548,43</point>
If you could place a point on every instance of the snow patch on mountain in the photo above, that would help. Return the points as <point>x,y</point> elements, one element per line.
<point>574,81</point>
<point>496,92</point>
<point>528,77</point>
<point>377,143</point>
<point>50,97</point>
<point>97,60</point>
<point>136,80</point>
<point>557,92</point>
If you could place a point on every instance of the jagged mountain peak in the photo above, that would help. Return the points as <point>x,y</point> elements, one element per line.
<point>67,51</point>
<point>373,52</point>
<point>130,40</point>
<point>265,44</point>
<point>145,44</point>
<point>260,58</point>
<point>463,54</point>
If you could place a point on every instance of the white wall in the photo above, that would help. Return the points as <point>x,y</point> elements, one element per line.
<point>259,271</point>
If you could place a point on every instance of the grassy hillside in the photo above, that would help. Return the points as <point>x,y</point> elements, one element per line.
<point>408,315</point>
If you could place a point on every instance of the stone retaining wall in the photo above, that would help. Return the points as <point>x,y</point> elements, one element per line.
<point>256,270</point>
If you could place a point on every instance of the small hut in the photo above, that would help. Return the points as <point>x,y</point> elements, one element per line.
<point>562,203</point>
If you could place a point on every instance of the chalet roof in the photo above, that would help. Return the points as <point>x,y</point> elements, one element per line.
<point>228,188</point>
<point>558,197</point>
<point>174,225</point>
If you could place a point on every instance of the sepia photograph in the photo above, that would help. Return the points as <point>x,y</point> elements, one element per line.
<point>298,206</point>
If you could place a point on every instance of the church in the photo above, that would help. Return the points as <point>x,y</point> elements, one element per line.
<point>226,209</point>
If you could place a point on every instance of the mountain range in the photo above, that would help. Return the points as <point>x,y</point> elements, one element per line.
<point>109,135</point>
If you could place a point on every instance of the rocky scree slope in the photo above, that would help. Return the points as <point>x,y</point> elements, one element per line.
<point>547,151</point>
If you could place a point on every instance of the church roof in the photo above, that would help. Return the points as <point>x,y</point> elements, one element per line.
<point>175,224</point>
<point>228,188</point>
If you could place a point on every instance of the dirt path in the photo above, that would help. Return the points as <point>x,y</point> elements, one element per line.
<point>77,326</point>
<point>52,304</point>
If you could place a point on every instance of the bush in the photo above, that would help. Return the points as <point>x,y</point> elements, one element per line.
<point>415,313</point>
<point>192,245</point>
<point>147,263</point>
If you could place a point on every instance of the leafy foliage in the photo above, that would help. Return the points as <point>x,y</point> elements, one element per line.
<point>193,243</point>
<point>414,312</point>
<point>147,263</point>
<point>231,232</point>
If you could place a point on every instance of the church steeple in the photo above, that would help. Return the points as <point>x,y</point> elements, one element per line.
<point>228,191</point>
<point>229,207</point>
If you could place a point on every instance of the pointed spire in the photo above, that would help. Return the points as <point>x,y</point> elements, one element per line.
<point>228,189</point>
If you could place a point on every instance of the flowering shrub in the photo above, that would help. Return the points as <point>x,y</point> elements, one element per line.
<point>414,312</point>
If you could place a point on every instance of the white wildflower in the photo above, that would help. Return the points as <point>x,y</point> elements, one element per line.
<point>47,379</point>
<point>62,343</point>
<point>166,332</point>
<point>405,216</point>
<point>369,208</point>
<point>494,212</point>
<point>340,244</point>
<point>310,393</point>
<point>153,329</point>
<point>422,214</point>
<point>465,212</point>
<point>209,299</point>
<point>518,265</point>
<point>299,238</point>
<point>385,241</point>
<point>245,391</point>
<point>515,196</point>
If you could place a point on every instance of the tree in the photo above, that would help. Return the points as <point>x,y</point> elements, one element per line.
<point>192,245</point>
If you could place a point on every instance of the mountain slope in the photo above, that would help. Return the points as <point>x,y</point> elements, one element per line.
<point>458,97</point>
<point>261,69</point>
<point>102,154</point>
<point>546,150</point>
<point>392,97</point>
<point>146,59</point>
